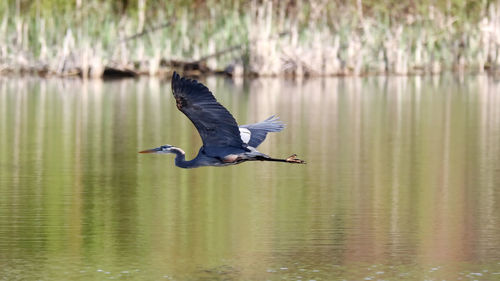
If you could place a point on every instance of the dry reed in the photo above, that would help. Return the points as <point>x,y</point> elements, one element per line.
<point>315,38</point>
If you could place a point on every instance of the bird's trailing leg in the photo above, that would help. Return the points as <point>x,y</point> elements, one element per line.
<point>291,159</point>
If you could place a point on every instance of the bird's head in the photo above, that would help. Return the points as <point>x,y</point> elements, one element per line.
<point>164,149</point>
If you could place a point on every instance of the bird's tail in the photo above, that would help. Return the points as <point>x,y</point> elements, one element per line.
<point>271,124</point>
<point>258,131</point>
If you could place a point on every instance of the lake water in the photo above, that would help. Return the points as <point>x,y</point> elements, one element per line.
<point>402,182</point>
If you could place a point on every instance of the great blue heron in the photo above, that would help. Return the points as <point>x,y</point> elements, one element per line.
<point>224,143</point>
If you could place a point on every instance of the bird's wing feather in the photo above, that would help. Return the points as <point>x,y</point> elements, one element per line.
<point>214,123</point>
<point>258,131</point>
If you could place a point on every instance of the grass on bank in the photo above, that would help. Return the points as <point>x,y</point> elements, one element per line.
<point>271,38</point>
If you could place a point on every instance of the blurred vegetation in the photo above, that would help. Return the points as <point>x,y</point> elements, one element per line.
<point>316,37</point>
<point>393,9</point>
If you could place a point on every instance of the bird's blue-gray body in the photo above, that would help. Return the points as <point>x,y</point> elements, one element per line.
<point>224,142</point>
<point>206,159</point>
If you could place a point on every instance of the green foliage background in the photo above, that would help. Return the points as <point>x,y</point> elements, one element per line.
<point>390,35</point>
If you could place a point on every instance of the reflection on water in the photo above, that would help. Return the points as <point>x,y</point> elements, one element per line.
<point>402,182</point>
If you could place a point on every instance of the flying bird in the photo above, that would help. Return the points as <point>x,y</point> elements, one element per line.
<point>224,142</point>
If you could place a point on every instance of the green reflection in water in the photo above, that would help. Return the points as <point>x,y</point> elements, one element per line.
<point>402,182</point>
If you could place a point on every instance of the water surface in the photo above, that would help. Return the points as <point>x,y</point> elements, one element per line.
<point>402,182</point>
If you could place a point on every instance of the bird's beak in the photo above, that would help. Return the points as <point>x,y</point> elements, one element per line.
<point>153,150</point>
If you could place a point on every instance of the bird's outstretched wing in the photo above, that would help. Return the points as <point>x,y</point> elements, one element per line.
<point>214,123</point>
<point>255,134</point>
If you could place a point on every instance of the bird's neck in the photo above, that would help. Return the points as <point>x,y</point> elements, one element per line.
<point>180,159</point>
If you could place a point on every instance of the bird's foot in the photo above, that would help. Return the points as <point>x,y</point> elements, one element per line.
<point>293,159</point>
